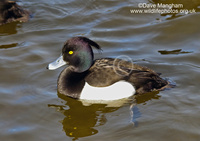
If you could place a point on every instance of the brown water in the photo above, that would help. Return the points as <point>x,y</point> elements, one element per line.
<point>30,108</point>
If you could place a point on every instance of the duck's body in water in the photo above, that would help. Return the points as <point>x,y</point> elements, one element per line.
<point>101,79</point>
<point>10,11</point>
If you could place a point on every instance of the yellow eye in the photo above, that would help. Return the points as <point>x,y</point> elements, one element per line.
<point>71,52</point>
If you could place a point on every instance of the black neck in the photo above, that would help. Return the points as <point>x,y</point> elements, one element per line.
<point>71,83</point>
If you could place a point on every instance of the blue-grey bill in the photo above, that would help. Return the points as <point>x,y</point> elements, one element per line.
<point>56,64</point>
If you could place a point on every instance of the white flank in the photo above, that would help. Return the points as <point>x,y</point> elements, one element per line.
<point>118,90</point>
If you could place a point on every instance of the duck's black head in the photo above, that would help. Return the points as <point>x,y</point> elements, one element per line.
<point>77,53</point>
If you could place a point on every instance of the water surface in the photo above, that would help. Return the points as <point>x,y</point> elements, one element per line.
<point>32,110</point>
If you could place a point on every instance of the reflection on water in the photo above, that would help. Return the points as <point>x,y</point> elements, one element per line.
<point>82,120</point>
<point>177,51</point>
<point>142,99</point>
<point>8,46</point>
<point>9,29</point>
<point>135,114</point>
